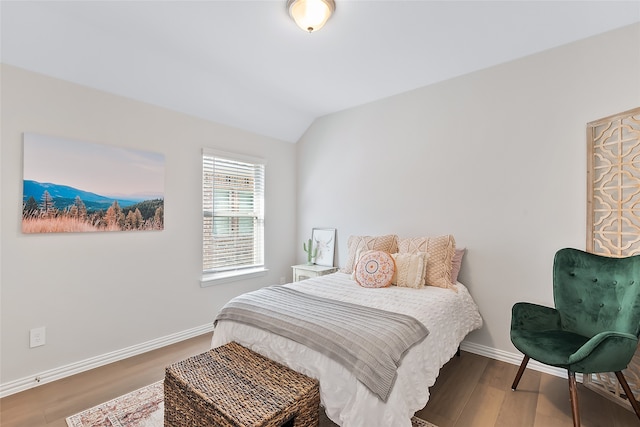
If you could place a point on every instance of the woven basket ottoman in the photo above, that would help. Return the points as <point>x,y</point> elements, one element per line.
<point>232,386</point>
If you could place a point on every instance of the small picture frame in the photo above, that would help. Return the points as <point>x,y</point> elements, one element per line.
<point>325,240</point>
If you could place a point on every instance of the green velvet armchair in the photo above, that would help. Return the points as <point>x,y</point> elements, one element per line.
<point>594,326</point>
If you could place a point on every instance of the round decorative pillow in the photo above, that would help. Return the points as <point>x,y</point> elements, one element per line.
<point>375,269</point>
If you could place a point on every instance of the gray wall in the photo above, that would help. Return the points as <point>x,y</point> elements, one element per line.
<point>98,293</point>
<point>497,158</point>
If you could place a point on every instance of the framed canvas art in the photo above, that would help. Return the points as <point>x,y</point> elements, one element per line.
<point>76,186</point>
<point>324,239</point>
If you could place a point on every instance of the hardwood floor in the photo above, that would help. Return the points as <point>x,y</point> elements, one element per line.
<point>475,391</point>
<point>471,391</point>
<point>49,404</point>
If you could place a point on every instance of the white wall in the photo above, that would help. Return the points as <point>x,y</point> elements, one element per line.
<point>497,158</point>
<point>98,293</point>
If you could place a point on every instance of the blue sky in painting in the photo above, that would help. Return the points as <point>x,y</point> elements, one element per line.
<point>102,169</point>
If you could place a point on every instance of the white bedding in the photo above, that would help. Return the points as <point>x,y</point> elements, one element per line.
<point>448,315</point>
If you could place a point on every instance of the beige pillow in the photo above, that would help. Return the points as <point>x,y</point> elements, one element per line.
<point>387,243</point>
<point>441,250</point>
<point>410,269</point>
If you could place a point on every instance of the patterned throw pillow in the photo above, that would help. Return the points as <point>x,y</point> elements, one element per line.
<point>410,269</point>
<point>375,269</point>
<point>387,243</point>
<point>441,250</point>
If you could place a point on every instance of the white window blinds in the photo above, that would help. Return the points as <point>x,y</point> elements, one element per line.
<point>233,212</point>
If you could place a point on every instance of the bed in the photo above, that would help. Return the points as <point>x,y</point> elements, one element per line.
<point>448,314</point>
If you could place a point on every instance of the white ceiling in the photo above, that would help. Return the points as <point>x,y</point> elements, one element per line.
<point>247,65</point>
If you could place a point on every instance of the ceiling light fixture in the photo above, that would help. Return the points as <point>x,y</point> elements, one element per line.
<point>311,15</point>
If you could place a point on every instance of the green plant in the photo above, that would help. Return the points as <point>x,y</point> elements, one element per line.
<point>311,253</point>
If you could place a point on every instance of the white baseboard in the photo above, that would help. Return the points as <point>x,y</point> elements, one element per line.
<point>514,359</point>
<point>26,383</point>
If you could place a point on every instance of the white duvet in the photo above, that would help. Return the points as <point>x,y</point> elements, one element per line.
<point>448,315</point>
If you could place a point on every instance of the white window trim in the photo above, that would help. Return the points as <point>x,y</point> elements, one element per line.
<point>235,156</point>
<point>212,279</point>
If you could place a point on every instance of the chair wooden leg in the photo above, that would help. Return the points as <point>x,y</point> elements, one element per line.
<point>573,396</point>
<point>628,392</point>
<point>523,365</point>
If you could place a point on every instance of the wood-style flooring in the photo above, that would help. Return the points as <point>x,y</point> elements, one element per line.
<point>471,391</point>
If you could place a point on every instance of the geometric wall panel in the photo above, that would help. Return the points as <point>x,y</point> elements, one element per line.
<point>614,185</point>
<point>613,214</point>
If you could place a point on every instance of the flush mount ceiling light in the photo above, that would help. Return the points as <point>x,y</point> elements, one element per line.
<point>311,15</point>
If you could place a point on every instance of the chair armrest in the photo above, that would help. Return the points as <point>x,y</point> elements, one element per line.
<point>534,317</point>
<point>607,351</point>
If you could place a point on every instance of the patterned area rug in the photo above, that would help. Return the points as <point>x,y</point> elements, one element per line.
<point>145,408</point>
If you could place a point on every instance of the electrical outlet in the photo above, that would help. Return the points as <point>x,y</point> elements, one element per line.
<point>37,337</point>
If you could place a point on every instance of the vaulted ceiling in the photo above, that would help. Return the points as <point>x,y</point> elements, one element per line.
<point>246,64</point>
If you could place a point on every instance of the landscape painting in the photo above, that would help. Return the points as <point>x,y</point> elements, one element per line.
<point>75,186</point>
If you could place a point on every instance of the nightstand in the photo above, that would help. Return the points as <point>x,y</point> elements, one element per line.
<point>304,271</point>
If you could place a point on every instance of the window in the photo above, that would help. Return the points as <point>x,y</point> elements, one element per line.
<point>233,215</point>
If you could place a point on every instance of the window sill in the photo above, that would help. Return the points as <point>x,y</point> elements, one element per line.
<point>231,276</point>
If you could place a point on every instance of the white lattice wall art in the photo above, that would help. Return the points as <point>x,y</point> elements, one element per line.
<point>613,214</point>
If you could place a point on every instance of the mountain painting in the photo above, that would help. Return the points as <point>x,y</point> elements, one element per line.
<point>74,186</point>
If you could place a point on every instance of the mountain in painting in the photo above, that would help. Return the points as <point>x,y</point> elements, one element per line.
<point>64,196</point>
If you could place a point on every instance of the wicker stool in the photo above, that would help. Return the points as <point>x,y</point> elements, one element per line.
<point>232,386</point>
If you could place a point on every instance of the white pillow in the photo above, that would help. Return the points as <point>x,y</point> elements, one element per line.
<point>410,269</point>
